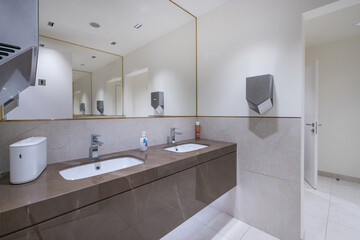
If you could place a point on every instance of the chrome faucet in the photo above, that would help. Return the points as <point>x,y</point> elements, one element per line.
<point>173,133</point>
<point>94,146</point>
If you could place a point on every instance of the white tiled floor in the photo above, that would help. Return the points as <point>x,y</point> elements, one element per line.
<point>211,223</point>
<point>333,211</point>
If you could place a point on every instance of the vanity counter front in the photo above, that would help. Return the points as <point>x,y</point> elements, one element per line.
<point>50,196</point>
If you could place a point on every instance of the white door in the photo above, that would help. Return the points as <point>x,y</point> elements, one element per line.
<point>311,123</point>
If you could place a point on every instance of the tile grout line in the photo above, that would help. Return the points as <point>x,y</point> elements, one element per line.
<point>327,219</point>
<point>267,175</point>
<point>207,226</point>
<point>245,233</point>
<point>212,228</point>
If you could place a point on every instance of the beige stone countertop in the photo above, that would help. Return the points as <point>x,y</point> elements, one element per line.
<point>28,204</point>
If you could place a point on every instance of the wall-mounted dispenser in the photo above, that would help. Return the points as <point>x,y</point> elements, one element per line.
<point>259,93</point>
<point>157,101</point>
<point>82,108</point>
<point>28,159</point>
<point>100,106</point>
<point>19,46</point>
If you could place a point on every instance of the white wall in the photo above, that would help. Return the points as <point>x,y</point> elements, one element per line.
<point>137,95</point>
<point>113,100</point>
<point>339,112</point>
<point>246,38</point>
<point>84,86</point>
<point>53,100</point>
<point>171,63</point>
<point>107,74</point>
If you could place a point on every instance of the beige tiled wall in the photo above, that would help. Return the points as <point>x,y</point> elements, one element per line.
<point>268,192</point>
<point>71,139</point>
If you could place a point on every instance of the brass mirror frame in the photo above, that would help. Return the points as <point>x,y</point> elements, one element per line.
<point>122,80</point>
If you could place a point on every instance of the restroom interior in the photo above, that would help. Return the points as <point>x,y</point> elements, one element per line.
<point>331,203</point>
<point>200,60</point>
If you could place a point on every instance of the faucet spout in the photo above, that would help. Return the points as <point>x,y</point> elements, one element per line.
<point>172,134</point>
<point>94,146</point>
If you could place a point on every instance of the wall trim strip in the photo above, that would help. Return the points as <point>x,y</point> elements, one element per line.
<point>248,117</point>
<point>95,118</point>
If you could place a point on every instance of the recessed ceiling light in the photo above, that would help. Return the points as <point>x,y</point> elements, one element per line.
<point>113,43</point>
<point>42,45</point>
<point>94,24</point>
<point>137,26</point>
<point>51,24</point>
<point>357,24</point>
<point>93,56</point>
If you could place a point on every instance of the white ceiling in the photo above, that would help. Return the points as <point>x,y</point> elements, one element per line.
<point>334,26</point>
<point>117,19</point>
<point>200,7</point>
<point>81,55</point>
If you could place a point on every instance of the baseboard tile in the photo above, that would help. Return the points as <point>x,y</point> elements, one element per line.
<point>342,177</point>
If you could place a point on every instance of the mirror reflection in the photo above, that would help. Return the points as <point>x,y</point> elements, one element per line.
<point>114,58</point>
<point>96,79</point>
<point>82,93</point>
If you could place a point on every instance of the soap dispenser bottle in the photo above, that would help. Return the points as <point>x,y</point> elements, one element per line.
<point>143,142</point>
<point>197,130</point>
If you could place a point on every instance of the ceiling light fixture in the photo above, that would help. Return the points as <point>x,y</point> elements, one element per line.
<point>94,24</point>
<point>51,24</point>
<point>357,24</point>
<point>113,43</point>
<point>137,26</point>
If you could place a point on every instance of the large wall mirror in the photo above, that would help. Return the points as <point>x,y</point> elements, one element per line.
<point>112,58</point>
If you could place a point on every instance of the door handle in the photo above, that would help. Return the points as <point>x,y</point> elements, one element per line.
<point>310,124</point>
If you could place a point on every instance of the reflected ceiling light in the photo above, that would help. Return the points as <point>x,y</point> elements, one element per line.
<point>113,43</point>
<point>94,24</point>
<point>93,56</point>
<point>51,24</point>
<point>137,26</point>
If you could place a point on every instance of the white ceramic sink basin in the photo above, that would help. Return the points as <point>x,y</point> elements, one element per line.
<point>97,168</point>
<point>188,147</point>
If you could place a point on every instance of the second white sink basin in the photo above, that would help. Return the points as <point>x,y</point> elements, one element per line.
<point>188,147</point>
<point>97,168</point>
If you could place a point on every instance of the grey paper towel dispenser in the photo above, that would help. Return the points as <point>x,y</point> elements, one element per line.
<point>100,106</point>
<point>259,93</point>
<point>82,108</point>
<point>157,101</point>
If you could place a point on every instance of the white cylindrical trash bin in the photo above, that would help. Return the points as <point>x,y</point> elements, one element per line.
<point>28,159</point>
